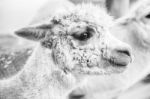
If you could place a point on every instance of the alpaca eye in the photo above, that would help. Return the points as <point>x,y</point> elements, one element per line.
<point>148,16</point>
<point>83,36</point>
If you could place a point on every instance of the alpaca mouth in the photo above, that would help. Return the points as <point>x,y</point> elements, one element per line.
<point>114,64</point>
<point>121,61</point>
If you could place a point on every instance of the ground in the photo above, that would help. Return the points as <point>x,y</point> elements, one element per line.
<point>12,56</point>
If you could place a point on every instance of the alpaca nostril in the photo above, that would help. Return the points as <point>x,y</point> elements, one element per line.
<point>125,51</point>
<point>77,94</point>
<point>76,97</point>
<point>80,96</point>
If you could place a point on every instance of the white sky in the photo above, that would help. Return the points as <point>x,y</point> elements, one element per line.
<point>17,13</point>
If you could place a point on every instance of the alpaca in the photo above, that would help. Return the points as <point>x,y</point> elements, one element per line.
<point>136,26</point>
<point>75,44</point>
<point>134,29</point>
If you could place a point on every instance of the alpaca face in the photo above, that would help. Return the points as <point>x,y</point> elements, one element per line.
<point>137,22</point>
<point>81,43</point>
<point>142,14</point>
<point>135,32</point>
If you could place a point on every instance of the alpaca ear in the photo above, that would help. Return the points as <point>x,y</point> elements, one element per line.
<point>34,33</point>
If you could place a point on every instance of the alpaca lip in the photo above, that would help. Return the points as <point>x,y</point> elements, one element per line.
<point>120,61</point>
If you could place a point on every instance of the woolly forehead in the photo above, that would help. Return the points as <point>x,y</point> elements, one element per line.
<point>61,22</point>
<point>84,13</point>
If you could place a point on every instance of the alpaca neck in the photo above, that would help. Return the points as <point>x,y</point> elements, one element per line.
<point>42,74</point>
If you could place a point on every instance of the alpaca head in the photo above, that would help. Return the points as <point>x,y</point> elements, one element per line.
<point>135,31</point>
<point>141,9</point>
<point>142,14</point>
<point>80,42</point>
<point>138,22</point>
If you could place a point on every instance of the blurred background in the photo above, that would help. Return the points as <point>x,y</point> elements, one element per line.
<point>17,13</point>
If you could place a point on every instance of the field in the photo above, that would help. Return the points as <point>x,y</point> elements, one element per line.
<point>12,56</point>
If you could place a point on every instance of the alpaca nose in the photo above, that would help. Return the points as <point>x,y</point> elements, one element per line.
<point>121,56</point>
<point>77,94</point>
<point>117,53</point>
<point>124,51</point>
